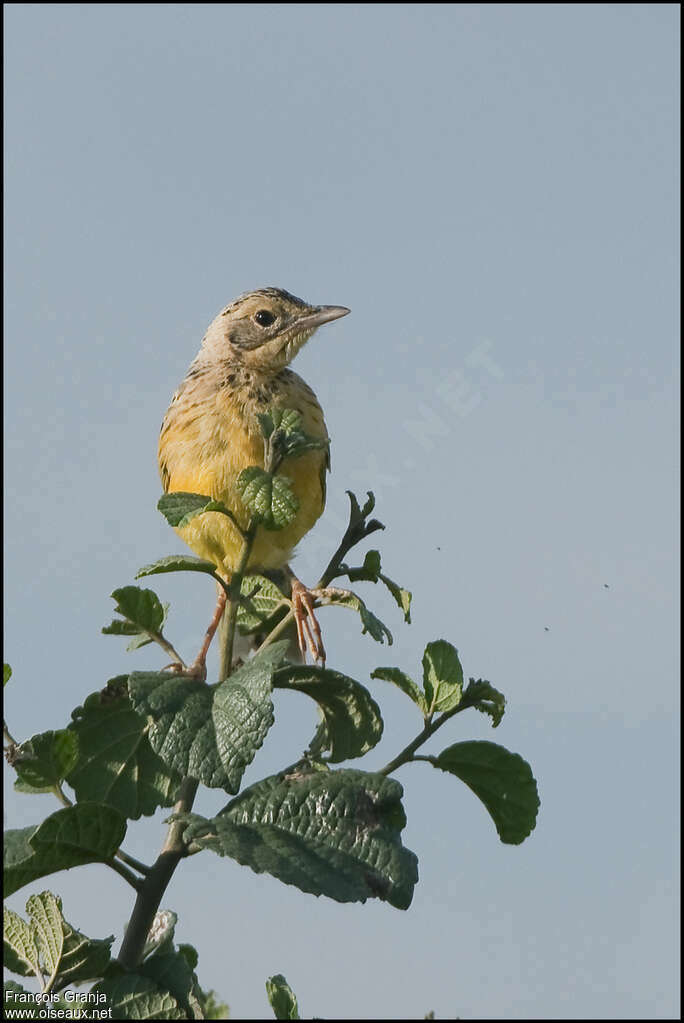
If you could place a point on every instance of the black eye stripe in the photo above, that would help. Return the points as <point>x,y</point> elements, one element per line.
<point>264,318</point>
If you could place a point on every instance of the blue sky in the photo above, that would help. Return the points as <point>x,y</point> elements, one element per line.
<point>493,191</point>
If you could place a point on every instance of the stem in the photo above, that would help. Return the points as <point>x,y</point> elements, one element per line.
<point>151,890</point>
<point>406,755</point>
<point>167,647</point>
<point>125,873</point>
<point>61,795</point>
<point>277,629</point>
<point>142,868</point>
<point>230,614</point>
<point>354,533</point>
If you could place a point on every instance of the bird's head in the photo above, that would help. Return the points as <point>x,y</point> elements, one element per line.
<point>263,330</point>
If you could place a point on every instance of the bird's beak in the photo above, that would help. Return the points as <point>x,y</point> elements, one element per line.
<point>321,314</point>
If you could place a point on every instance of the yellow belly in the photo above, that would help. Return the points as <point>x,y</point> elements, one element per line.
<point>203,448</point>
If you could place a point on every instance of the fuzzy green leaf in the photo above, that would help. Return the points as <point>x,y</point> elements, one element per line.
<point>208,732</point>
<point>368,572</point>
<point>82,958</point>
<point>177,563</point>
<point>117,764</point>
<point>141,608</point>
<point>282,429</point>
<point>371,572</point>
<point>181,728</point>
<point>334,833</point>
<point>484,697</point>
<point>47,924</point>
<point>370,623</point>
<point>84,833</point>
<point>261,598</point>
<point>242,712</point>
<point>442,676</point>
<point>352,718</point>
<point>134,996</point>
<point>401,596</point>
<point>170,971</point>
<point>405,683</point>
<point>180,508</point>
<point>44,760</point>
<point>6,674</point>
<point>17,999</point>
<point>270,499</point>
<point>502,780</point>
<point>21,953</point>
<point>282,998</point>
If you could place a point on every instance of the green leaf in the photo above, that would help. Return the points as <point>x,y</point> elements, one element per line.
<point>142,608</point>
<point>270,499</point>
<point>21,953</point>
<point>171,972</point>
<point>502,780</point>
<point>47,924</point>
<point>405,683</point>
<point>52,945</point>
<point>84,833</point>
<point>177,563</point>
<point>282,430</point>
<point>261,598</point>
<point>370,623</point>
<point>181,508</point>
<point>32,790</point>
<point>6,674</point>
<point>442,676</point>
<point>44,760</point>
<point>484,697</point>
<point>82,958</point>
<point>119,628</point>
<point>181,728</point>
<point>208,732</point>
<point>401,596</point>
<point>18,1000</point>
<point>334,833</point>
<point>352,718</point>
<point>135,996</point>
<point>369,571</point>
<point>282,998</point>
<point>243,712</point>
<point>212,1007</point>
<point>190,954</point>
<point>117,765</point>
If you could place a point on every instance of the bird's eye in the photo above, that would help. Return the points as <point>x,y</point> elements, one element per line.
<point>264,318</point>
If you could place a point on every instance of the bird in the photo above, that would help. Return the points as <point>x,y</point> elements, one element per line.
<point>211,432</point>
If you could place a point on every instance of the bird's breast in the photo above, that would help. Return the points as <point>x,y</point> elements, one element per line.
<point>206,442</point>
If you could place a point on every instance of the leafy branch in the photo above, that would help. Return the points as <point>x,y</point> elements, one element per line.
<point>149,739</point>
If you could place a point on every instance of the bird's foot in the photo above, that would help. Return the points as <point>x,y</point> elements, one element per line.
<point>308,630</point>
<point>197,670</point>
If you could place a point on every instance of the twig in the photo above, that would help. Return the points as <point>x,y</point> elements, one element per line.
<point>230,614</point>
<point>407,754</point>
<point>125,873</point>
<point>142,868</point>
<point>152,888</point>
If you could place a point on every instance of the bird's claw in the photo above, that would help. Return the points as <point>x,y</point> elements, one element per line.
<point>308,630</point>
<point>197,670</point>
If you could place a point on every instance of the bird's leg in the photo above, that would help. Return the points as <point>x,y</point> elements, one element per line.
<point>198,668</point>
<point>308,629</point>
